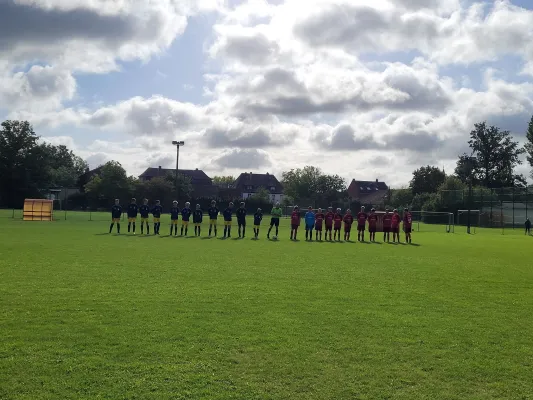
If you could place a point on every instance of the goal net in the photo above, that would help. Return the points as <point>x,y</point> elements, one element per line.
<point>433,221</point>
<point>475,219</point>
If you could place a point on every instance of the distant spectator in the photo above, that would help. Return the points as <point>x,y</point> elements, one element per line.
<point>528,226</point>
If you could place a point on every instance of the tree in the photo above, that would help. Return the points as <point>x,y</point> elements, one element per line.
<point>310,183</point>
<point>184,185</point>
<point>224,181</point>
<point>452,192</point>
<point>159,188</point>
<point>261,195</point>
<point>401,198</point>
<point>112,182</point>
<point>426,180</point>
<point>23,164</point>
<point>529,145</point>
<point>497,156</point>
<point>64,166</point>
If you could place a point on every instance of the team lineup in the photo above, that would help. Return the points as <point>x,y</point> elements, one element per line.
<point>330,222</point>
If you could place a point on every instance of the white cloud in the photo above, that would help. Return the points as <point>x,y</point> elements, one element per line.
<point>295,84</point>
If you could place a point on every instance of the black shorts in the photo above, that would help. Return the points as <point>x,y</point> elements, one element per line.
<point>329,228</point>
<point>295,226</point>
<point>274,222</point>
<point>372,230</point>
<point>241,222</point>
<point>407,229</point>
<point>360,228</point>
<point>386,229</point>
<point>395,230</point>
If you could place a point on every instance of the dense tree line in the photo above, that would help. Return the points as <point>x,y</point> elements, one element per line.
<point>30,167</point>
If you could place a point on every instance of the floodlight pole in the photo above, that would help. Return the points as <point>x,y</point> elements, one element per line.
<point>178,144</point>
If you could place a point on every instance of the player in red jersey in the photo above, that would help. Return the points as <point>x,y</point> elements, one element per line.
<point>407,225</point>
<point>295,222</point>
<point>387,223</point>
<point>319,220</point>
<point>348,221</point>
<point>395,225</point>
<point>361,222</point>
<point>337,225</point>
<point>329,222</point>
<point>372,224</point>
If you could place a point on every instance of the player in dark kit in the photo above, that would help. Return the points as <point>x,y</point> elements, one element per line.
<point>372,225</point>
<point>319,220</point>
<point>328,219</point>
<point>228,213</point>
<point>337,225</point>
<point>348,221</point>
<point>174,216</point>
<point>156,212</point>
<point>387,223</point>
<point>258,217</point>
<point>133,210</point>
<point>116,214</point>
<point>197,217</point>
<point>213,215</point>
<point>295,222</point>
<point>395,225</point>
<point>185,218</point>
<point>407,225</point>
<point>528,226</point>
<point>144,210</point>
<point>361,222</point>
<point>241,219</point>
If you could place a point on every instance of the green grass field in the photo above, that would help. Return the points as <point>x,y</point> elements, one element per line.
<point>87,315</point>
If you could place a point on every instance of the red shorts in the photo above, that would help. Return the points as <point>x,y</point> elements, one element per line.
<point>329,227</point>
<point>361,228</point>
<point>372,229</point>
<point>318,227</point>
<point>295,226</point>
<point>337,227</point>
<point>395,229</point>
<point>407,229</point>
<point>347,228</point>
<point>386,229</point>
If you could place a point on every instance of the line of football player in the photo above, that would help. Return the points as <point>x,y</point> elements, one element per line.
<point>329,221</point>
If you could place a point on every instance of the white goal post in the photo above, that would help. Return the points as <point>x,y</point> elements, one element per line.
<point>433,221</point>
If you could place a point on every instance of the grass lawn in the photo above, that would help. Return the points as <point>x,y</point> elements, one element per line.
<point>86,315</point>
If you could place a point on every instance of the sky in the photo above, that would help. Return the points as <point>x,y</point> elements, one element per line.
<point>363,89</point>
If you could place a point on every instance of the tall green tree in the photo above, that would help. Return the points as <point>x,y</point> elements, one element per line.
<point>529,145</point>
<point>23,163</point>
<point>426,180</point>
<point>497,155</point>
<point>112,182</point>
<point>311,183</point>
<point>224,181</point>
<point>261,195</point>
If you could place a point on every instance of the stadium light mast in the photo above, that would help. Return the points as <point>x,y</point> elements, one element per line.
<point>471,163</point>
<point>178,144</point>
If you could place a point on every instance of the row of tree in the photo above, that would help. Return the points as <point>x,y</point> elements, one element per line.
<point>29,167</point>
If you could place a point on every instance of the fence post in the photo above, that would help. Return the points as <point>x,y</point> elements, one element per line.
<point>13,215</point>
<point>512,197</point>
<point>527,191</point>
<point>90,215</point>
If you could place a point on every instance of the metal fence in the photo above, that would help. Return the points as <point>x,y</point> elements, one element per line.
<point>490,208</point>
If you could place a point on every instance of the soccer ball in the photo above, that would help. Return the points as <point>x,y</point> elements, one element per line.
<point>275,237</point>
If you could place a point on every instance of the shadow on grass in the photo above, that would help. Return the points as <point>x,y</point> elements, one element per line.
<point>414,244</point>
<point>102,234</point>
<point>376,243</point>
<point>208,238</point>
<point>191,237</point>
<point>222,238</point>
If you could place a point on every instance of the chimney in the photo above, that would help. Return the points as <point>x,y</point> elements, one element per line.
<point>159,171</point>
<point>196,169</point>
<point>377,180</point>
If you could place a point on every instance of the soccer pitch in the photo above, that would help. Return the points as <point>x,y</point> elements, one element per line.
<point>88,315</point>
